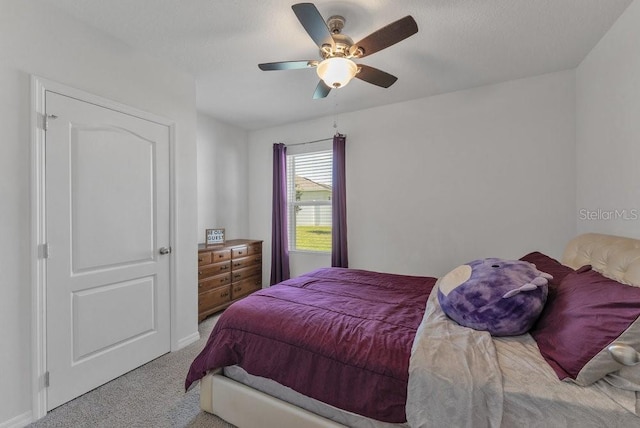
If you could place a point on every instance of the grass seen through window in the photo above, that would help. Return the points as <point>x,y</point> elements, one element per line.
<point>313,238</point>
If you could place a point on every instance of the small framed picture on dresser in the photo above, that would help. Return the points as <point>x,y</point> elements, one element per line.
<point>214,236</point>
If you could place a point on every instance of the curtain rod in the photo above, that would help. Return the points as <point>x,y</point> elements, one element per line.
<point>315,141</point>
<point>309,142</point>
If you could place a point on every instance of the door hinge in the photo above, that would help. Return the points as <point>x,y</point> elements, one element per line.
<point>44,251</point>
<point>46,379</point>
<point>44,119</point>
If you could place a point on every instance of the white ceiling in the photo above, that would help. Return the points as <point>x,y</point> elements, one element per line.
<point>460,44</point>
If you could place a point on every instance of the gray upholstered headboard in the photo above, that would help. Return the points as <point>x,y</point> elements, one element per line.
<point>615,257</point>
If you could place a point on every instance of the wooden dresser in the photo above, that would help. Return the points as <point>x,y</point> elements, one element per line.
<point>227,273</point>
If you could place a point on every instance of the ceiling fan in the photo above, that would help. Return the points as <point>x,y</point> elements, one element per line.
<point>337,68</point>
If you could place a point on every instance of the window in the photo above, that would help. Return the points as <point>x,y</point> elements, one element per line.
<point>309,189</point>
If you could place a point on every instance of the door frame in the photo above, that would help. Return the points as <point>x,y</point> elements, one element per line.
<point>39,86</point>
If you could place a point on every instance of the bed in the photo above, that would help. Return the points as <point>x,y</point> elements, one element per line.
<point>343,347</point>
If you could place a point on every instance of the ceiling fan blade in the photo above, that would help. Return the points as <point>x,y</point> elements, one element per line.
<point>386,36</point>
<point>375,76</point>
<point>322,90</point>
<point>313,23</point>
<point>287,65</point>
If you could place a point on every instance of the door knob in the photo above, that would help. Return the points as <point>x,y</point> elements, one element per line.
<point>164,250</point>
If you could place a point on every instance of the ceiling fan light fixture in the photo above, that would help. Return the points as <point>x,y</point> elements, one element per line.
<point>336,72</point>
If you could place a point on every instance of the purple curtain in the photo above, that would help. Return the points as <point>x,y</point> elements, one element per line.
<point>279,239</point>
<point>339,257</point>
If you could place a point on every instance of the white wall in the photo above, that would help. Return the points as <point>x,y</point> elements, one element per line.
<point>439,181</point>
<point>35,38</point>
<point>222,178</point>
<point>608,131</point>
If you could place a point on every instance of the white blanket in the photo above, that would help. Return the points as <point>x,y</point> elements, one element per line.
<point>458,367</point>
<point>459,377</point>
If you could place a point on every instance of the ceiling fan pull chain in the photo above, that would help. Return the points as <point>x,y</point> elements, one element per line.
<point>335,112</point>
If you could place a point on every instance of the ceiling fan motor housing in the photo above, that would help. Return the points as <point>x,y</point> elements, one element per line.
<point>341,42</point>
<point>342,46</point>
<point>335,24</point>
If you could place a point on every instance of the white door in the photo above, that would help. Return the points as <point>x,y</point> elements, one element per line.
<point>107,217</point>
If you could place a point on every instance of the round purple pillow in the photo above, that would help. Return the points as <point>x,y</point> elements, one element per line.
<point>503,297</point>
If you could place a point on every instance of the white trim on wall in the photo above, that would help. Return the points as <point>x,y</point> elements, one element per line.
<point>18,422</point>
<point>38,232</point>
<point>38,266</point>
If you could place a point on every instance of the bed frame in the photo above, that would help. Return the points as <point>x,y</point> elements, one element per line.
<point>244,406</point>
<point>613,256</point>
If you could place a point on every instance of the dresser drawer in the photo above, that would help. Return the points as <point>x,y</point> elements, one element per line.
<point>213,282</point>
<point>239,252</point>
<point>238,275</point>
<point>245,287</point>
<point>212,298</point>
<point>254,249</point>
<point>246,261</point>
<point>220,256</point>
<point>214,269</point>
<point>204,258</point>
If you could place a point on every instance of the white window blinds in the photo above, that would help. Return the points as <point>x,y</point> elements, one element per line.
<point>309,188</point>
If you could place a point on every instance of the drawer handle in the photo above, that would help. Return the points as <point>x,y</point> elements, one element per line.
<point>225,267</point>
<point>222,280</point>
<point>236,264</point>
<point>237,276</point>
<point>199,272</point>
<point>220,256</point>
<point>240,253</point>
<point>199,259</point>
<point>225,294</point>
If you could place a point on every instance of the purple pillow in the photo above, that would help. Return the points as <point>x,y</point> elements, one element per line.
<point>587,314</point>
<point>550,266</point>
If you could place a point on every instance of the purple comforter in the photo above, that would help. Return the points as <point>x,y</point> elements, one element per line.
<point>341,336</point>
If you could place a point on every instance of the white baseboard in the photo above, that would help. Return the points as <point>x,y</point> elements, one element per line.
<point>19,421</point>
<point>186,341</point>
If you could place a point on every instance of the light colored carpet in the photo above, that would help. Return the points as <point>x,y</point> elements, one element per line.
<point>150,396</point>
